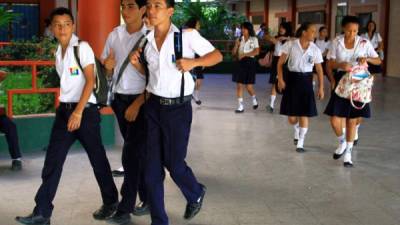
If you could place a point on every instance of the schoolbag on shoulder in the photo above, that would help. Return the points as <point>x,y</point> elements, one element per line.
<point>101,87</point>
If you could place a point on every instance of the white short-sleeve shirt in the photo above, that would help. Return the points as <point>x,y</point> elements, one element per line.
<point>362,48</point>
<point>165,78</point>
<point>301,60</point>
<point>278,48</point>
<point>249,45</point>
<point>376,39</point>
<point>131,82</point>
<point>322,45</point>
<point>72,79</point>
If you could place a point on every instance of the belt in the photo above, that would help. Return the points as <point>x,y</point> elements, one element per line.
<point>171,101</point>
<point>72,105</point>
<point>301,73</point>
<point>125,97</point>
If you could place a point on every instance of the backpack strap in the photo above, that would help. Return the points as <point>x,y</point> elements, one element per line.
<point>76,55</point>
<point>178,48</point>
<point>127,59</point>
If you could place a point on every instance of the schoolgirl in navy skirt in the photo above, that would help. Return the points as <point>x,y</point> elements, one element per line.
<point>244,75</point>
<point>298,99</point>
<point>284,34</point>
<point>345,52</point>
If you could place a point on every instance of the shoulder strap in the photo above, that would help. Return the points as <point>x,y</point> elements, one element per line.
<point>178,48</point>
<point>126,61</point>
<point>76,54</point>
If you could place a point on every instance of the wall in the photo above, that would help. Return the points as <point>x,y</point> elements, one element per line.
<point>34,133</point>
<point>393,66</point>
<point>275,7</point>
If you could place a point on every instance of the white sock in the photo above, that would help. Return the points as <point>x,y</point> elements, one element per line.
<point>356,134</point>
<point>121,169</point>
<point>254,98</point>
<point>342,145</point>
<point>296,131</point>
<point>347,154</point>
<point>272,103</point>
<point>302,136</point>
<point>240,104</point>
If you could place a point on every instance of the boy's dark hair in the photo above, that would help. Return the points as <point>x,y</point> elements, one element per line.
<point>59,12</point>
<point>170,3</point>
<point>249,27</point>
<point>304,27</point>
<point>140,3</point>
<point>191,23</point>
<point>350,19</point>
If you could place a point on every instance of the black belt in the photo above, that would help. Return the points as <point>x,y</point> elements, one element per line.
<point>171,101</point>
<point>301,73</point>
<point>125,97</point>
<point>72,105</point>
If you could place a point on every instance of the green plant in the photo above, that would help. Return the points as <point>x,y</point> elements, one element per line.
<point>26,104</point>
<point>7,17</point>
<point>215,18</point>
<point>20,77</point>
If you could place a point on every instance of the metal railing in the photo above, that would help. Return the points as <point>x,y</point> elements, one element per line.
<point>34,89</point>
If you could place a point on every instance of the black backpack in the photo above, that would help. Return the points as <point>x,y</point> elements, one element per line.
<point>101,87</point>
<point>178,50</point>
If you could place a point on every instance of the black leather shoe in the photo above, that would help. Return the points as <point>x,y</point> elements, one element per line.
<point>300,150</point>
<point>255,106</point>
<point>295,141</point>
<point>192,209</point>
<point>348,164</point>
<point>337,156</point>
<point>105,211</point>
<point>141,209</point>
<point>270,109</point>
<point>33,220</point>
<point>355,142</point>
<point>239,111</point>
<point>16,165</point>
<point>119,217</point>
<point>117,173</point>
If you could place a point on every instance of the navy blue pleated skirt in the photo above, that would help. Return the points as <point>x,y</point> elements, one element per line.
<point>245,71</point>
<point>298,98</point>
<point>341,107</point>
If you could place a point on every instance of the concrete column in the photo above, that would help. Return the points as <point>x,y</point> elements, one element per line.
<point>96,21</point>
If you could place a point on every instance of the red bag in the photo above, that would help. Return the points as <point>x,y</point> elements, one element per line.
<point>267,60</point>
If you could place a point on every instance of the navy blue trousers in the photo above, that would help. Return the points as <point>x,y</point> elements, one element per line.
<point>132,153</point>
<point>60,142</point>
<point>168,130</point>
<point>8,127</point>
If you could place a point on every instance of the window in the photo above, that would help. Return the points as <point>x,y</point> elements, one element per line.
<point>257,19</point>
<point>340,13</point>
<point>364,18</point>
<point>26,26</point>
<point>316,17</point>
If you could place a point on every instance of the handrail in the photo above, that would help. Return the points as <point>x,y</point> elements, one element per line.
<point>35,89</point>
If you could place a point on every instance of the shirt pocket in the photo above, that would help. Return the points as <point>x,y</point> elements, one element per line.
<point>170,59</point>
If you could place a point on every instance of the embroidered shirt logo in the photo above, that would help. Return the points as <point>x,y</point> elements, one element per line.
<point>74,71</point>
